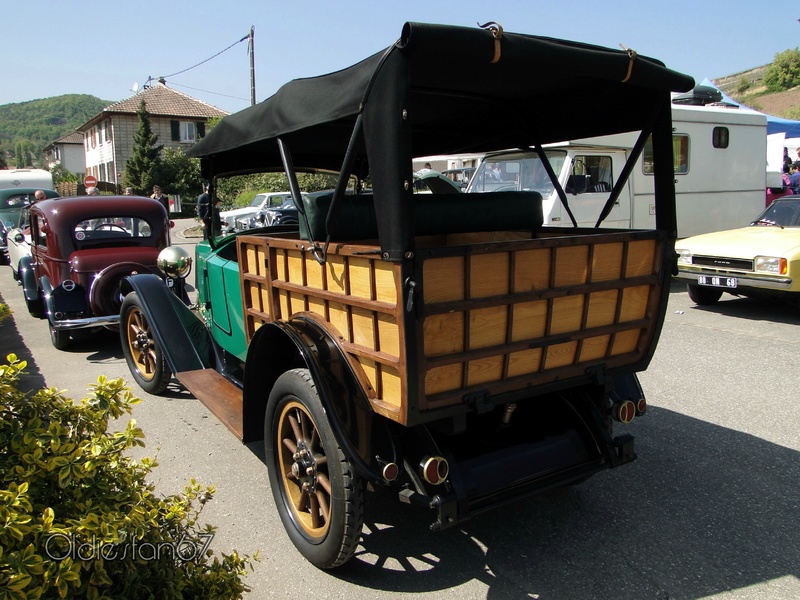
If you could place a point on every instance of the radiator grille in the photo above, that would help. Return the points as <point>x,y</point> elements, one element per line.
<point>721,262</point>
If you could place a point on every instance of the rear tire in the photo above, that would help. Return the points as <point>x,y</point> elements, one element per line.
<point>704,296</point>
<point>142,353</point>
<point>319,496</point>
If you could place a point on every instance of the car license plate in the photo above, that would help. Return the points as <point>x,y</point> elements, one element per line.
<point>726,282</point>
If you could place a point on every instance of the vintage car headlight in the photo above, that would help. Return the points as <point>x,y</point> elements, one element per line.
<point>771,264</point>
<point>684,257</point>
<point>174,261</point>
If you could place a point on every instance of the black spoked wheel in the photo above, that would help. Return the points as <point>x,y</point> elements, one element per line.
<point>704,296</point>
<point>319,496</point>
<point>142,353</point>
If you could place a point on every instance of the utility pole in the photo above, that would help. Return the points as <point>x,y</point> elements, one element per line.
<point>252,51</point>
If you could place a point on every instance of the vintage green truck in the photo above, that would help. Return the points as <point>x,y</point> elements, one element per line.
<point>445,346</point>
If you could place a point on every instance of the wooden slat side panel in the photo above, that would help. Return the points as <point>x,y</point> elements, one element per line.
<point>356,297</point>
<point>576,302</point>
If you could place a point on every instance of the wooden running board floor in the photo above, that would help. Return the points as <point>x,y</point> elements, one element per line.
<point>220,396</point>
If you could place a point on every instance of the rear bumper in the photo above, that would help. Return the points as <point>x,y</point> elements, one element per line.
<point>491,482</point>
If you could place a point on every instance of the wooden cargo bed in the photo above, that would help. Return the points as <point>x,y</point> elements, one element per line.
<point>491,313</point>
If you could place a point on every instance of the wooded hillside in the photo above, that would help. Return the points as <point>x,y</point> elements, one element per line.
<point>38,123</point>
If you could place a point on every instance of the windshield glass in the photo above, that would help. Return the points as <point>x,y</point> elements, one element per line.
<point>518,171</point>
<point>785,213</point>
<point>17,201</point>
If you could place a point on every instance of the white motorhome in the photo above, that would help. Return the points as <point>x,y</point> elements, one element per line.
<point>26,178</point>
<point>720,173</point>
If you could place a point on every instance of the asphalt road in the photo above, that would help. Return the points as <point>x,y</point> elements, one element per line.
<point>710,509</point>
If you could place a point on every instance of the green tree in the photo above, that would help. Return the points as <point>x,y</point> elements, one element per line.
<point>142,168</point>
<point>180,174</point>
<point>784,72</point>
<point>61,175</point>
<point>19,155</point>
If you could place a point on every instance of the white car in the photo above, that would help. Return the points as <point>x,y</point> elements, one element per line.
<point>19,246</point>
<point>261,202</point>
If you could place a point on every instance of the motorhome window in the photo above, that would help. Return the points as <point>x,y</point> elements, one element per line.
<point>680,155</point>
<point>517,171</point>
<point>720,137</point>
<point>590,174</point>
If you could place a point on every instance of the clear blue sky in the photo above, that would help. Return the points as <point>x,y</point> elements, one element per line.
<point>53,47</point>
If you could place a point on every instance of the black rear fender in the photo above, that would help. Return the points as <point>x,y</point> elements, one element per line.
<point>301,343</point>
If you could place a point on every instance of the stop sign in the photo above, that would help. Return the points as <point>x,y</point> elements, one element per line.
<point>90,181</point>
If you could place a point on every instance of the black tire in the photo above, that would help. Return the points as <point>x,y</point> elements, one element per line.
<point>35,307</point>
<point>59,337</point>
<point>704,296</point>
<point>142,353</point>
<point>319,496</point>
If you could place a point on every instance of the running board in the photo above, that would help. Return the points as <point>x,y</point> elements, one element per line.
<point>220,396</point>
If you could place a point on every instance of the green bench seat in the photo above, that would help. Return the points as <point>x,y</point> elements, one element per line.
<point>433,214</point>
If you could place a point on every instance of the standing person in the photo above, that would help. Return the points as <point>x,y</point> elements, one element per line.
<point>794,178</point>
<point>212,226</point>
<point>128,191</point>
<point>157,195</point>
<point>787,160</point>
<point>92,191</point>
<point>203,204</point>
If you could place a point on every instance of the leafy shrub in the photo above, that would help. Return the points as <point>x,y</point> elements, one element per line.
<point>4,312</point>
<point>78,519</point>
<point>784,72</point>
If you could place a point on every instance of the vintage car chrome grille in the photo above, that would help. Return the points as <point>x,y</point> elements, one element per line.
<point>720,262</point>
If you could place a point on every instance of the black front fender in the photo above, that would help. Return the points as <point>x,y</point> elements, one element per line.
<point>182,336</point>
<point>30,288</point>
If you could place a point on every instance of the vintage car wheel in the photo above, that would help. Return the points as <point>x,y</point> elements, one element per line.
<point>319,496</point>
<point>704,296</point>
<point>59,338</point>
<point>142,353</point>
<point>105,296</point>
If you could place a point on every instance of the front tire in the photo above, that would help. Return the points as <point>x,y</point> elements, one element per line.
<point>319,496</point>
<point>142,353</point>
<point>704,296</point>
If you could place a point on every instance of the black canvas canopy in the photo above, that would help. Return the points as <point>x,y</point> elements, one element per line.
<point>442,90</point>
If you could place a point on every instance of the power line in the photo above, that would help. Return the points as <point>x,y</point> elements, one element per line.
<point>188,87</point>
<point>247,37</point>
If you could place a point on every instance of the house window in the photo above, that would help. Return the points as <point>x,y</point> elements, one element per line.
<point>186,132</point>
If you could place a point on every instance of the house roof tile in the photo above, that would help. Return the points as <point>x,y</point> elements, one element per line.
<point>71,138</point>
<point>161,101</point>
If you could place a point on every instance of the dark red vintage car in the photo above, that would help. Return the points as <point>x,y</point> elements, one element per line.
<point>81,248</point>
